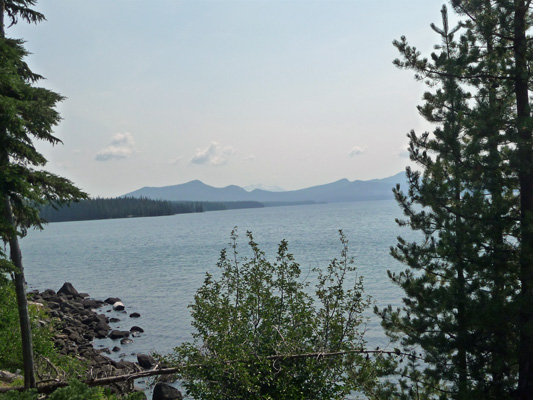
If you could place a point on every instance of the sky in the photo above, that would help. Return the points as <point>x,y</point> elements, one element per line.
<point>286,93</point>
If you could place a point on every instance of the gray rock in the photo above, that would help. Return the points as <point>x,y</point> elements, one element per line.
<point>136,328</point>
<point>101,334</point>
<point>48,293</point>
<point>6,376</point>
<point>145,361</point>
<point>68,289</point>
<point>91,303</point>
<point>163,391</point>
<point>75,337</point>
<point>115,334</point>
<point>111,300</point>
<point>118,306</point>
<point>135,315</point>
<point>101,326</point>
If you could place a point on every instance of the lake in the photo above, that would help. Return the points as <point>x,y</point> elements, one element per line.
<point>154,265</point>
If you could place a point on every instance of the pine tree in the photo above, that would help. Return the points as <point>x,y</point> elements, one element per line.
<point>468,286</point>
<point>27,113</point>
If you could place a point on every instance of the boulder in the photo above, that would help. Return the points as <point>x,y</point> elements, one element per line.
<point>116,334</point>
<point>70,307</point>
<point>48,293</point>
<point>68,290</point>
<point>101,334</point>
<point>136,328</point>
<point>75,337</point>
<point>6,376</point>
<point>125,341</point>
<point>111,300</point>
<point>102,317</point>
<point>101,325</point>
<point>135,315</point>
<point>118,306</point>
<point>146,361</point>
<point>163,391</point>
<point>91,303</point>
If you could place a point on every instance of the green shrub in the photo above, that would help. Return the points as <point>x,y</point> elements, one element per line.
<point>14,395</point>
<point>74,391</point>
<point>10,347</point>
<point>42,334</point>
<point>258,310</point>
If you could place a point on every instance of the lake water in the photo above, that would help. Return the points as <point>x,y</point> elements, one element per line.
<point>154,265</point>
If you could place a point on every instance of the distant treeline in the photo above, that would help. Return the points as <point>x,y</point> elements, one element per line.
<point>129,207</point>
<point>229,205</point>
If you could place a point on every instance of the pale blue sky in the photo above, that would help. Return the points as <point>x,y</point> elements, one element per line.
<point>286,93</point>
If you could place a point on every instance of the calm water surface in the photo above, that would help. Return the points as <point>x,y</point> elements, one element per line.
<point>156,264</point>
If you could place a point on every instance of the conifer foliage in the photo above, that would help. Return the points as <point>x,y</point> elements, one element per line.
<point>27,113</point>
<point>469,286</point>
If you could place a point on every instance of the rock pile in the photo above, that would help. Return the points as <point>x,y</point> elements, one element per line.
<point>79,323</point>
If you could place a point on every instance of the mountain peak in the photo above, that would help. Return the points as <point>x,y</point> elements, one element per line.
<point>339,191</point>
<point>195,182</point>
<point>251,188</point>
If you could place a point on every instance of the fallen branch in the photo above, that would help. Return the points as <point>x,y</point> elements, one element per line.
<point>49,387</point>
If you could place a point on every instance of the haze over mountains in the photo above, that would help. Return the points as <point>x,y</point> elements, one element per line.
<point>339,191</point>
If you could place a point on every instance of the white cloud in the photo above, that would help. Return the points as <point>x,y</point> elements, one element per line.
<point>214,154</point>
<point>356,151</point>
<point>123,139</point>
<point>122,146</point>
<point>251,157</point>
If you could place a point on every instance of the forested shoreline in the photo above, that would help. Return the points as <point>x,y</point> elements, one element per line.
<point>130,207</point>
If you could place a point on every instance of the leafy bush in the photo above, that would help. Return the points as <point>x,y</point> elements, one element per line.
<point>10,350</point>
<point>74,391</point>
<point>42,334</point>
<point>259,333</point>
<point>79,391</point>
<point>14,395</point>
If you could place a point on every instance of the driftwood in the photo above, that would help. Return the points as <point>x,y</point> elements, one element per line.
<point>51,385</point>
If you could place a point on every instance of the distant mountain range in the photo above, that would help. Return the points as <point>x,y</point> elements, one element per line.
<point>339,191</point>
<point>251,188</point>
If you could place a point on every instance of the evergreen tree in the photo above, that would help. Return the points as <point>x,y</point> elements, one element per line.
<point>27,113</point>
<point>469,286</point>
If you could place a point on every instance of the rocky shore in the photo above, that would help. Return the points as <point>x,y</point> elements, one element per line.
<point>79,323</point>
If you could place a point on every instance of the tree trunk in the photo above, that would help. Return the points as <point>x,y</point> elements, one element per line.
<point>22,302</point>
<point>525,165</point>
<point>2,12</point>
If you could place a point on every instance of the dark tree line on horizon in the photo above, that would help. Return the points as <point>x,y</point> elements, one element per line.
<point>130,207</point>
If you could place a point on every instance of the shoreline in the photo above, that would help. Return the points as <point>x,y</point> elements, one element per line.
<point>82,321</point>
